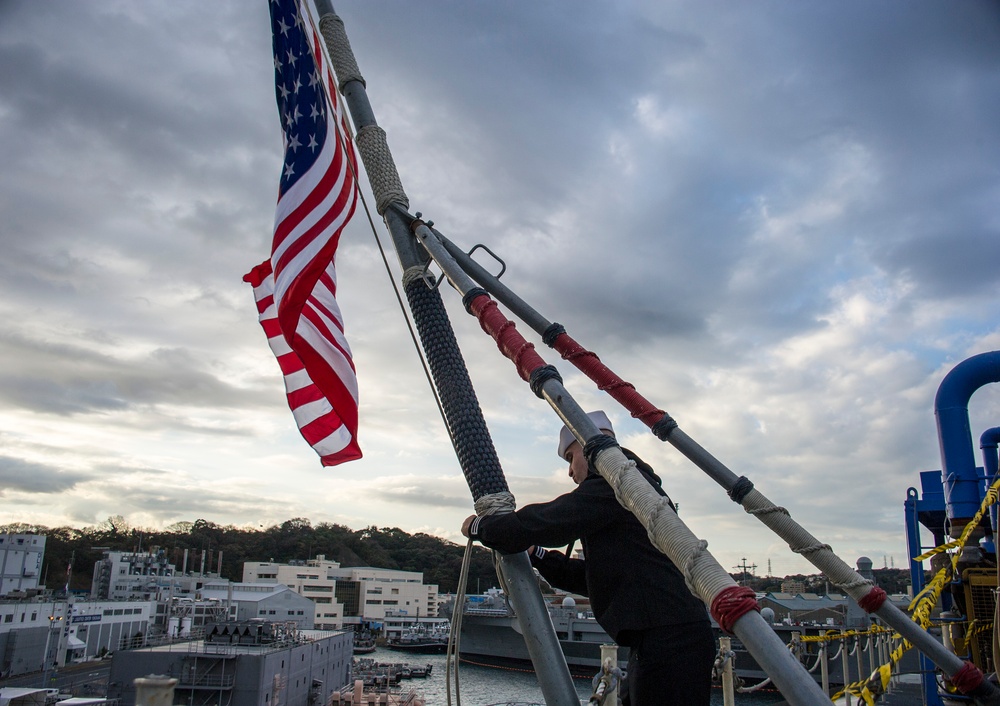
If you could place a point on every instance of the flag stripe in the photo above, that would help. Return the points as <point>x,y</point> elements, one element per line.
<point>296,288</point>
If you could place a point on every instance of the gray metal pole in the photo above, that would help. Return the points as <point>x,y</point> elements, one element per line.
<point>536,625</point>
<point>795,683</point>
<point>540,638</point>
<point>721,474</point>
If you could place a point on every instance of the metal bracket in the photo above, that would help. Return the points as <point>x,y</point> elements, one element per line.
<point>503,265</point>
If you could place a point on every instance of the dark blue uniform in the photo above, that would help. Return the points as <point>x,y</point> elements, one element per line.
<point>638,596</point>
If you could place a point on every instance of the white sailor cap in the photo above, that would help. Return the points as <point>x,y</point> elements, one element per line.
<point>600,420</point>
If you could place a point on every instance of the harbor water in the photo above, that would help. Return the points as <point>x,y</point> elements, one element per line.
<point>484,686</point>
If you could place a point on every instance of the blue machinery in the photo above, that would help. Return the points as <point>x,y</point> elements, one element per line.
<point>949,498</point>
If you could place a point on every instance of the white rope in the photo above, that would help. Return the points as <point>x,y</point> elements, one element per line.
<point>455,633</point>
<point>492,504</point>
<point>495,504</point>
<point>755,687</point>
<point>802,542</point>
<point>382,175</point>
<point>703,574</point>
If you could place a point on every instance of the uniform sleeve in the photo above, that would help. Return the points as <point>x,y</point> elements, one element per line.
<point>589,508</point>
<point>561,571</point>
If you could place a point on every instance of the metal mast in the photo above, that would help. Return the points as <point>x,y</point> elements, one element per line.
<point>464,418</point>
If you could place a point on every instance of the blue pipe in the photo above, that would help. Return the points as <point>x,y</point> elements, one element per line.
<point>951,408</point>
<point>988,443</point>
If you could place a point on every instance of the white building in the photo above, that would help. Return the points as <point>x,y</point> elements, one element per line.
<point>349,595</point>
<point>260,601</point>
<point>124,575</point>
<point>144,576</point>
<point>20,561</point>
<point>40,634</point>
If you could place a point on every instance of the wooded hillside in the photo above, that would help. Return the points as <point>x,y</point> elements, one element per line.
<point>295,539</point>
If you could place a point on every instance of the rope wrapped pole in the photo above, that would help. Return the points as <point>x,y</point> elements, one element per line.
<point>466,425</point>
<point>705,576</point>
<point>739,488</point>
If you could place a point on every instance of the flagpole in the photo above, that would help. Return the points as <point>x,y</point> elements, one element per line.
<point>465,421</point>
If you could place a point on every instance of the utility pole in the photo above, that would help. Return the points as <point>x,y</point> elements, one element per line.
<point>744,567</point>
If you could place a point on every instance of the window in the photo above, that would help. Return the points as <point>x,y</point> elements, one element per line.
<point>373,602</point>
<point>9,618</point>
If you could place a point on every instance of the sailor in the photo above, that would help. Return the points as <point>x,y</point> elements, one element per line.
<point>638,596</point>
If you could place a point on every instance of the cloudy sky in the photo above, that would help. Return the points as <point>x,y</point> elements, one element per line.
<point>780,221</point>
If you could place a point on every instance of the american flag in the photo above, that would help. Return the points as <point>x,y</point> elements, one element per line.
<point>296,287</point>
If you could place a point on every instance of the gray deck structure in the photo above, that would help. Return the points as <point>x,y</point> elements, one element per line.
<point>242,664</point>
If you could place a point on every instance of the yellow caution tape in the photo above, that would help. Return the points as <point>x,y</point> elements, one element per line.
<point>921,607</point>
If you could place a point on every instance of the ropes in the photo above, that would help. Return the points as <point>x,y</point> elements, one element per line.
<point>588,362</point>
<point>455,634</point>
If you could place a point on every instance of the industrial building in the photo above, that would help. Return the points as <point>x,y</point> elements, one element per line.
<point>345,596</point>
<point>20,562</point>
<point>246,663</point>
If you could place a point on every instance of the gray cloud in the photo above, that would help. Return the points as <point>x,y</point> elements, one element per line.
<point>20,475</point>
<point>71,379</point>
<point>777,222</point>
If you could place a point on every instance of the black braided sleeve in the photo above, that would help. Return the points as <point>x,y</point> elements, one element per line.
<point>473,444</point>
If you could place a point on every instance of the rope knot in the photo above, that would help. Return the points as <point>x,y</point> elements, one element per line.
<point>597,444</point>
<point>872,600</point>
<point>741,487</point>
<point>554,331</point>
<point>495,504</point>
<point>967,679</point>
<point>732,604</point>
<point>664,426</point>
<point>540,376</point>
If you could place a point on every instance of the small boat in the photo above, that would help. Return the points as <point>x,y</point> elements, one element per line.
<point>421,640</point>
<point>363,644</point>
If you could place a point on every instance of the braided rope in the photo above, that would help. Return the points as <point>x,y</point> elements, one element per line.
<point>412,274</point>
<point>702,573</point>
<point>495,504</point>
<point>802,542</point>
<point>382,174</point>
<point>339,48</point>
<point>466,425</point>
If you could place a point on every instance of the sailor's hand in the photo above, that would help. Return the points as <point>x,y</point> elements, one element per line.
<point>467,524</point>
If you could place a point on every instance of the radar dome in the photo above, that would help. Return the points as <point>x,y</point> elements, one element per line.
<point>768,615</point>
<point>568,602</point>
